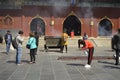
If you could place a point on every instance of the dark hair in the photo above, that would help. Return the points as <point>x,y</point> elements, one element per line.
<point>81,41</point>
<point>20,32</point>
<point>31,34</point>
<point>36,33</point>
<point>64,30</point>
<point>85,34</point>
<point>8,30</point>
<point>119,30</point>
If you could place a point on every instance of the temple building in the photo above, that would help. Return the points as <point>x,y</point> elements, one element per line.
<point>51,17</point>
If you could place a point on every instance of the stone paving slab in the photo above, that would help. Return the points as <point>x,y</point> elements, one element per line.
<point>48,67</point>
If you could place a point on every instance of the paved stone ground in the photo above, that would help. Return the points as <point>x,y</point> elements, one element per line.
<point>53,65</point>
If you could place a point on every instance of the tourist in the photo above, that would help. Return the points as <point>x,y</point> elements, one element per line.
<point>88,45</point>
<point>116,38</point>
<point>8,41</point>
<point>64,41</point>
<point>85,36</point>
<point>33,46</point>
<point>19,40</point>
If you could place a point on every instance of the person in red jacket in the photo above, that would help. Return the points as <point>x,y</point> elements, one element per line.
<point>88,45</point>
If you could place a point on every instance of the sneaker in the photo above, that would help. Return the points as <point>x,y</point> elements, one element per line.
<point>114,56</point>
<point>33,61</point>
<point>116,63</point>
<point>87,66</point>
<point>30,62</point>
<point>19,64</point>
<point>7,53</point>
<point>61,51</point>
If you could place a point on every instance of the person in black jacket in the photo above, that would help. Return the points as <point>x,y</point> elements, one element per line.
<point>117,46</point>
<point>8,40</point>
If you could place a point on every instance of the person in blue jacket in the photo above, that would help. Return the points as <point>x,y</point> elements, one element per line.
<point>33,46</point>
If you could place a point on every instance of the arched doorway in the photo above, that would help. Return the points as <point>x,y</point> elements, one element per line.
<point>105,28</point>
<point>38,25</point>
<point>72,23</point>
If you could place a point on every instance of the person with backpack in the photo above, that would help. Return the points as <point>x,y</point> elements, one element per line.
<point>19,41</point>
<point>8,40</point>
<point>32,42</point>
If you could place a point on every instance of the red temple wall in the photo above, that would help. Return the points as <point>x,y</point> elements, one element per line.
<point>23,17</point>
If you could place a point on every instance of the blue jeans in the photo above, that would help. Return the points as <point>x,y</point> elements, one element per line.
<point>7,47</point>
<point>18,55</point>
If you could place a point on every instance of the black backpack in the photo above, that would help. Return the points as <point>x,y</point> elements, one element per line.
<point>14,43</point>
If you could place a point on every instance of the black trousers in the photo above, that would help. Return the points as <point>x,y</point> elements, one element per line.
<point>78,43</point>
<point>36,51</point>
<point>1,39</point>
<point>62,48</point>
<point>117,56</point>
<point>90,55</point>
<point>32,55</point>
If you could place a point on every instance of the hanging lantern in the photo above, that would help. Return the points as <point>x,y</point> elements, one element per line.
<point>91,23</point>
<point>52,21</point>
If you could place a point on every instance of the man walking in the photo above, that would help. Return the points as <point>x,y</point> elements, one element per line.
<point>117,46</point>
